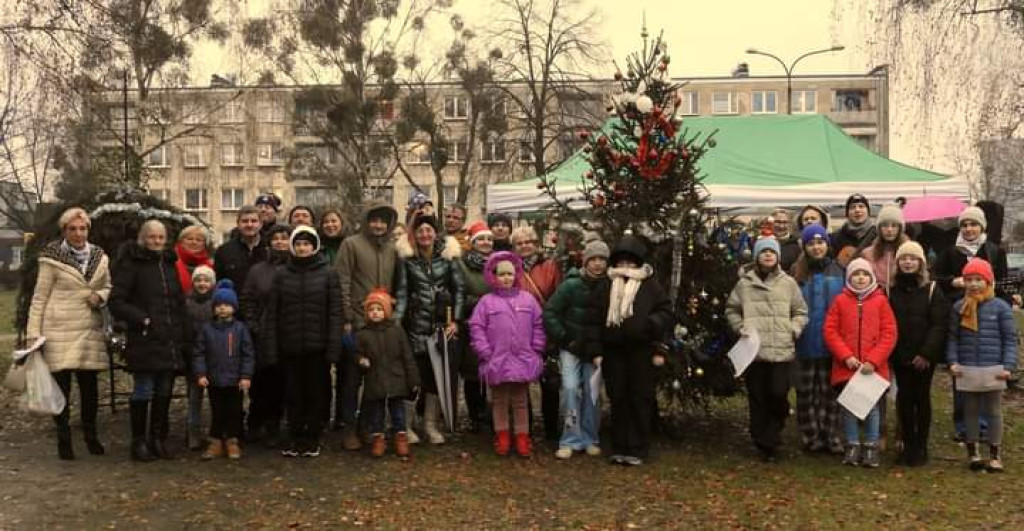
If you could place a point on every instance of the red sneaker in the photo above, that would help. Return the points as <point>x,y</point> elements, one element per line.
<point>502,442</point>
<point>523,444</point>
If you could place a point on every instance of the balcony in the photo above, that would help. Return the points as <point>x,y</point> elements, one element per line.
<point>854,117</point>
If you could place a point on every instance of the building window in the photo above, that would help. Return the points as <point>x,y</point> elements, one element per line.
<point>851,101</point>
<point>500,107</point>
<point>493,151</point>
<point>232,198</point>
<point>232,154</point>
<point>117,118</point>
<point>866,141</point>
<point>162,194</point>
<point>383,193</point>
<point>450,194</point>
<point>318,152</point>
<point>17,255</point>
<point>192,114</point>
<point>688,106</point>
<point>196,199</point>
<point>194,156</point>
<point>421,154</point>
<point>763,102</point>
<point>269,154</point>
<point>269,112</point>
<point>456,108</point>
<point>525,151</point>
<point>158,158</point>
<point>723,103</point>
<point>232,113</point>
<point>458,151</point>
<point>805,101</point>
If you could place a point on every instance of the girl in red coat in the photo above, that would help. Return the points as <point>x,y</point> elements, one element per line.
<point>860,332</point>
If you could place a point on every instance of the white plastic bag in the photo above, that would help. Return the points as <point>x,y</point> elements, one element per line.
<point>42,395</point>
<point>16,380</point>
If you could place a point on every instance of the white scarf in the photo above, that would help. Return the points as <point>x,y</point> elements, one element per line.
<point>625,284</point>
<point>970,248</point>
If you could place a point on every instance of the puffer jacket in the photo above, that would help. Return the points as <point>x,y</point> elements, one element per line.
<point>865,329</point>
<point>952,260</point>
<point>774,306</point>
<point>922,318</point>
<point>60,309</point>
<point>507,330</point>
<point>303,317</point>
<point>431,286</point>
<point>255,295</point>
<point>223,353</point>
<point>995,342</point>
<point>393,371</point>
<point>365,263</point>
<point>825,282</point>
<point>791,249</point>
<point>233,259</point>
<point>565,314</point>
<point>146,286</point>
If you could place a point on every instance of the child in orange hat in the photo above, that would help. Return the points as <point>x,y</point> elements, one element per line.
<point>383,351</point>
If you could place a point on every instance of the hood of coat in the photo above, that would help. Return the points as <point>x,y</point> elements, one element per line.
<point>629,246</point>
<point>447,247</point>
<point>821,213</point>
<point>502,256</point>
<point>382,207</point>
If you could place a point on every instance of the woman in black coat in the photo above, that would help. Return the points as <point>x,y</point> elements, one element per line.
<point>148,297</point>
<point>302,330</point>
<point>922,314</point>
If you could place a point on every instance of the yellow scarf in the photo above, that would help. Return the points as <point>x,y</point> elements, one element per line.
<point>969,312</point>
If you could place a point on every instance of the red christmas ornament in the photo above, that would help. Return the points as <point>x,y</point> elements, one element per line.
<point>662,67</point>
<point>652,154</point>
<point>589,175</point>
<point>542,185</point>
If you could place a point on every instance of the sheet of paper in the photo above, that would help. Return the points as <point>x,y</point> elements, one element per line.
<point>744,351</point>
<point>862,393</point>
<point>980,379</point>
<point>38,344</point>
<point>596,379</point>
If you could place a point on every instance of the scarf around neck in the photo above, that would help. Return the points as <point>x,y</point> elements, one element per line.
<point>969,311</point>
<point>187,262</point>
<point>970,248</point>
<point>858,231</point>
<point>625,285</point>
<point>475,260</point>
<point>81,256</point>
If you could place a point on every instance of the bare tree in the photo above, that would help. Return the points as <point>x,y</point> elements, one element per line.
<point>543,50</point>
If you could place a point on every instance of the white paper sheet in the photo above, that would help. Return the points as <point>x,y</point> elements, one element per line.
<point>596,379</point>
<point>744,351</point>
<point>980,379</point>
<point>862,393</point>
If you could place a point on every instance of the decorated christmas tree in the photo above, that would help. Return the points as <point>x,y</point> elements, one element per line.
<point>644,177</point>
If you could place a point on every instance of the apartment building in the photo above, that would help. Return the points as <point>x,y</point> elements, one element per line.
<point>229,144</point>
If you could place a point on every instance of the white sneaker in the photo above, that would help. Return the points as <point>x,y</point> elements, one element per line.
<point>563,452</point>
<point>593,450</point>
<point>411,436</point>
<point>433,434</point>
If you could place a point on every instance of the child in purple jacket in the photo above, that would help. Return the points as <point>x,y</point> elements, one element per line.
<point>507,332</point>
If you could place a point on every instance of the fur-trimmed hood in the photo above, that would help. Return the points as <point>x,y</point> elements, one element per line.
<point>492,262</point>
<point>447,248</point>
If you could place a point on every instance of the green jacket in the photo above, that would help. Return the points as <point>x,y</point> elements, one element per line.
<point>476,286</point>
<point>565,313</point>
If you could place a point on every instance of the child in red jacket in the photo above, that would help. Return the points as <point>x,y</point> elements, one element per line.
<point>860,331</point>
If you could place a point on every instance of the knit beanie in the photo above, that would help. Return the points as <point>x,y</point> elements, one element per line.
<point>767,243</point>
<point>477,230</point>
<point>853,200</point>
<point>596,249</point>
<point>980,267</point>
<point>973,213</point>
<point>891,213</point>
<point>304,233</point>
<point>271,200</point>
<point>912,248</point>
<point>204,271</point>
<point>860,264</point>
<point>813,232</point>
<point>382,298</point>
<point>225,294</point>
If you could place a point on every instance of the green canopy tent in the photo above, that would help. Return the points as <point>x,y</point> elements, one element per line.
<point>761,161</point>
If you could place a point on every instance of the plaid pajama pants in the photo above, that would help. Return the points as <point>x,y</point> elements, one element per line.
<point>817,413</point>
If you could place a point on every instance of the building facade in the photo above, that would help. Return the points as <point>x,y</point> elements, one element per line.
<point>230,144</point>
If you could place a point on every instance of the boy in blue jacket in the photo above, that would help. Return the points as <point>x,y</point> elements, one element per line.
<point>223,362</point>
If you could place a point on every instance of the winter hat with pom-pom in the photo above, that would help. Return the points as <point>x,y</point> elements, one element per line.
<point>225,294</point>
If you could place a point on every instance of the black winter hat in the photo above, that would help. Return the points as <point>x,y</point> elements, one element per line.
<point>421,220</point>
<point>498,217</point>
<point>854,199</point>
<point>629,246</point>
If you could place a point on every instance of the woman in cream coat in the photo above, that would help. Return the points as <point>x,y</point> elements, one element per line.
<point>73,284</point>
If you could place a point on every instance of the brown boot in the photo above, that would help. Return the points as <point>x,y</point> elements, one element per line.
<point>234,451</point>
<point>214,449</point>
<point>350,439</point>
<point>379,445</point>
<point>402,444</point>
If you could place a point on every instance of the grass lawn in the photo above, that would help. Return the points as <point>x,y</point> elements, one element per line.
<point>708,479</point>
<point>7,311</point>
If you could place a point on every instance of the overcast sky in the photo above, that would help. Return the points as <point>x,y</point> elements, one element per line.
<point>706,37</point>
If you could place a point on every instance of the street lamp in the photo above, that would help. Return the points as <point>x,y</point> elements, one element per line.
<point>789,69</point>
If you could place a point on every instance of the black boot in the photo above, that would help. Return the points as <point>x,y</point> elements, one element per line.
<point>159,427</point>
<point>65,450</point>
<point>90,405</point>
<point>92,442</point>
<point>139,412</point>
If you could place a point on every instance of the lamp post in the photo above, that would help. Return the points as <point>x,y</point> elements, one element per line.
<point>789,69</point>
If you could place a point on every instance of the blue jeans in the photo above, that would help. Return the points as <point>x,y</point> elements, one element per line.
<point>374,411</point>
<point>150,384</point>
<point>581,416</point>
<point>851,426</point>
